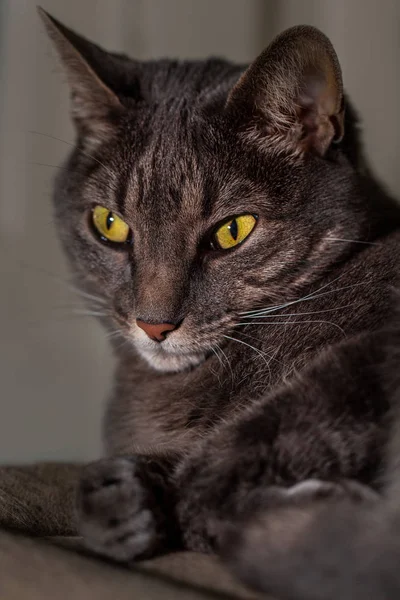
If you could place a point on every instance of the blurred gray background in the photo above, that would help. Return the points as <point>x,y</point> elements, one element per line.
<point>55,367</point>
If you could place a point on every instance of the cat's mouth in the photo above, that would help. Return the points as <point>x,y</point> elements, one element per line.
<point>179,351</point>
<point>164,359</point>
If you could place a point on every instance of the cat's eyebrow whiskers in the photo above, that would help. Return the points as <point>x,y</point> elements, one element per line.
<point>88,176</point>
<point>53,137</point>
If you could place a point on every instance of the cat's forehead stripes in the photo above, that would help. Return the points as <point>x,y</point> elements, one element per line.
<point>175,171</point>
<point>167,179</point>
<point>122,190</point>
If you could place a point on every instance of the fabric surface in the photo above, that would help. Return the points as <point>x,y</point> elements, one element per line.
<point>38,500</point>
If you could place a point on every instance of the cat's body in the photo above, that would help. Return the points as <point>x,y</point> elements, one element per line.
<point>344,546</point>
<point>154,413</point>
<point>245,368</point>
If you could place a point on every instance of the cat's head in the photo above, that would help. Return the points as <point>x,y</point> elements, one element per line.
<point>200,190</point>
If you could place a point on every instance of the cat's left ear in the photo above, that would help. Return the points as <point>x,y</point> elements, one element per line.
<point>291,96</point>
<point>90,74</point>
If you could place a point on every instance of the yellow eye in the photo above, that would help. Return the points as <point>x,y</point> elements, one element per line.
<point>109,225</point>
<point>235,231</point>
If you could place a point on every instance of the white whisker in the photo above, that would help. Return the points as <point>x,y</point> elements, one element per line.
<point>312,294</point>
<point>114,334</point>
<point>123,343</point>
<point>313,312</point>
<point>64,282</point>
<point>291,323</point>
<point>89,175</point>
<point>98,299</point>
<point>305,299</point>
<point>259,352</point>
<point>270,356</point>
<point>218,357</point>
<point>90,313</point>
<point>110,334</point>
<point>330,239</point>
<point>227,360</point>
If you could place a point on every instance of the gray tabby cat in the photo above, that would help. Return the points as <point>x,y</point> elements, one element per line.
<point>226,220</point>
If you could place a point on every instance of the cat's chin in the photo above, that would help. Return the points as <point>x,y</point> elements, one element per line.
<point>170,362</point>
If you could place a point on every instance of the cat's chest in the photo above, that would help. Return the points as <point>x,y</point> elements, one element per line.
<point>156,425</point>
<point>153,412</point>
<point>158,414</point>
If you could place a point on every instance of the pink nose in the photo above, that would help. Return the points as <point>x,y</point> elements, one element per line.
<point>156,332</point>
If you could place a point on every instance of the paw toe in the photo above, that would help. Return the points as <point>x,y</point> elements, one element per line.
<point>112,513</point>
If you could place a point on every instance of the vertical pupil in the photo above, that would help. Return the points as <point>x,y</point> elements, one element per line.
<point>109,221</point>
<point>233,228</point>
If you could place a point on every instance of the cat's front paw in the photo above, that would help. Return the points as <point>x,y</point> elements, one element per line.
<point>115,515</point>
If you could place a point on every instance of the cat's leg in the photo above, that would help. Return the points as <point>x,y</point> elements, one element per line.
<point>326,424</point>
<point>348,548</point>
<point>126,507</point>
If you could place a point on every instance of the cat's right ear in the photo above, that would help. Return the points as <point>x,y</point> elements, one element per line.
<point>94,105</point>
